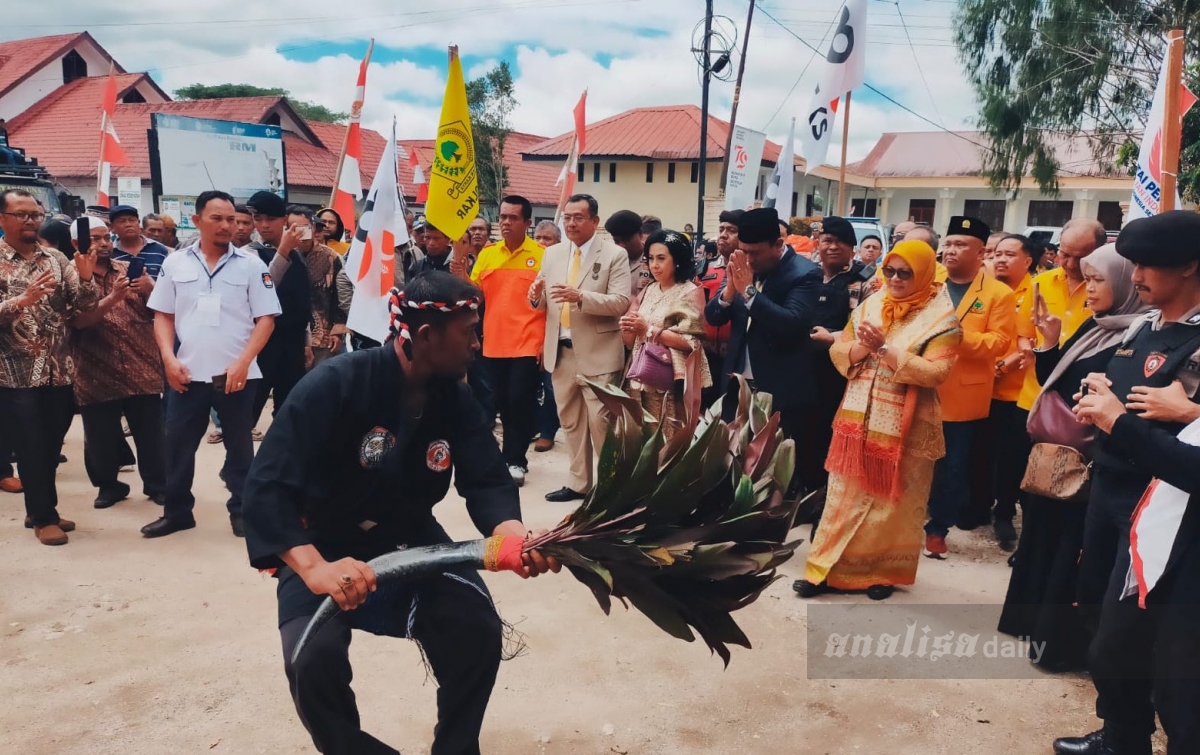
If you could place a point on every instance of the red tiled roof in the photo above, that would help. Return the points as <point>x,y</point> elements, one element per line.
<point>21,57</point>
<point>532,180</point>
<point>670,132</point>
<point>315,167</point>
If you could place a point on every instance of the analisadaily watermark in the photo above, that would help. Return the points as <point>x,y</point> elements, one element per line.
<point>880,641</point>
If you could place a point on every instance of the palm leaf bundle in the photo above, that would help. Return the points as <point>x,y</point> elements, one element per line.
<point>687,530</point>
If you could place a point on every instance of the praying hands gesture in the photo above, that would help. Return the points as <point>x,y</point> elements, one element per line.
<point>738,275</point>
<point>870,336</point>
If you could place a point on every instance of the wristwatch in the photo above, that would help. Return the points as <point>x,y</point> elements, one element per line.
<point>750,291</point>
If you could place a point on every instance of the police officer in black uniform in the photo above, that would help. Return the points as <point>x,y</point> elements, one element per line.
<point>1160,350</point>
<point>351,469</point>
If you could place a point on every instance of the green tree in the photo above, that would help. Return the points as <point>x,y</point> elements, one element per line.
<point>309,111</point>
<point>1047,69</point>
<point>491,102</point>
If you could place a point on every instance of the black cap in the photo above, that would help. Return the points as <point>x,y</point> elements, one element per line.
<point>839,228</point>
<point>1166,240</point>
<point>758,226</point>
<point>123,209</point>
<point>730,216</point>
<point>961,225</point>
<point>268,203</point>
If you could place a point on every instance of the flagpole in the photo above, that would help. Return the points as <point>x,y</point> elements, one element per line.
<point>103,190</point>
<point>337,176</point>
<point>737,95</point>
<point>1172,125</point>
<point>843,205</point>
<point>562,193</point>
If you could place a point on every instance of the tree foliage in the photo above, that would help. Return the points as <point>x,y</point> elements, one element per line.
<point>309,111</point>
<point>491,102</point>
<point>1044,70</point>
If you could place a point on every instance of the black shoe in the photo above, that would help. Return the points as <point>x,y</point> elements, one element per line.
<point>807,589</point>
<point>973,524</point>
<point>880,592</point>
<point>238,525</point>
<point>1012,560</point>
<point>1095,743</point>
<point>564,494</point>
<point>160,497</point>
<point>108,499</point>
<point>1006,534</point>
<point>163,526</point>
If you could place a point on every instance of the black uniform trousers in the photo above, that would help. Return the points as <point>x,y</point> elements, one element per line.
<point>6,449</point>
<point>515,382</point>
<point>999,454</point>
<point>452,619</point>
<point>282,365</point>
<point>104,443</point>
<point>36,421</point>
<point>1109,515</point>
<point>1148,660</point>
<point>186,423</point>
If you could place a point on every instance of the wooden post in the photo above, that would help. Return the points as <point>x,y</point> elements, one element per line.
<point>737,95</point>
<point>337,176</point>
<point>843,200</point>
<point>1172,123</point>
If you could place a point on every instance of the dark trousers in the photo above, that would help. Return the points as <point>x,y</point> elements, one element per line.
<point>1010,456</point>
<point>6,447</point>
<point>37,420</point>
<point>515,382</point>
<point>816,433</point>
<point>547,421</point>
<point>459,634</point>
<point>103,441</point>
<point>187,421</point>
<point>1148,660</point>
<point>950,488</point>
<point>282,366</point>
<point>1105,536</point>
<point>481,386</point>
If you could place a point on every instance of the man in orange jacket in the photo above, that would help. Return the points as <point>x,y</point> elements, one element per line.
<point>988,313</point>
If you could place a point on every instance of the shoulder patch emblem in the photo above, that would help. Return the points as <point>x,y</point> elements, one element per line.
<point>1153,363</point>
<point>530,262</point>
<point>267,282</point>
<point>437,456</point>
<point>375,446</point>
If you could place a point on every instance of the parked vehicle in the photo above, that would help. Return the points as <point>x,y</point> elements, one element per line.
<point>1044,234</point>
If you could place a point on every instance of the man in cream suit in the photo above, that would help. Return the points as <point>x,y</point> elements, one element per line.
<point>584,288</point>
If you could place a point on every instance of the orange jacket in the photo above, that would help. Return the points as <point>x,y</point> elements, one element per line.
<point>988,313</point>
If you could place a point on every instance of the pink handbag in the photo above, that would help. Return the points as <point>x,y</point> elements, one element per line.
<point>652,367</point>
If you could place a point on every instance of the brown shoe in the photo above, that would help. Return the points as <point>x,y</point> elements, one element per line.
<point>66,525</point>
<point>543,445</point>
<point>51,534</point>
<point>11,485</point>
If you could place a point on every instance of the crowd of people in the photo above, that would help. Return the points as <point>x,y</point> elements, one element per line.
<point>930,383</point>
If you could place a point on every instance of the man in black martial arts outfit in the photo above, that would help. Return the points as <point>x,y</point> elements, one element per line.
<point>351,468</point>
<point>1144,660</point>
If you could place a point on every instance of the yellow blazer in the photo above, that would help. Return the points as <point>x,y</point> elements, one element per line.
<point>988,313</point>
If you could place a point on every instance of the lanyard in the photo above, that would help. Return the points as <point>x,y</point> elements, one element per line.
<point>203,266</point>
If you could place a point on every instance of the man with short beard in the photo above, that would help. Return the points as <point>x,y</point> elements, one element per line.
<point>118,371</point>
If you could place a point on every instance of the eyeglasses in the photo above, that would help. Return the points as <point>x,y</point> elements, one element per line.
<point>27,217</point>
<point>575,218</point>
<point>891,272</point>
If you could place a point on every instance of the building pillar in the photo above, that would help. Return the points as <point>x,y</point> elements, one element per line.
<point>885,197</point>
<point>1085,205</point>
<point>942,210</point>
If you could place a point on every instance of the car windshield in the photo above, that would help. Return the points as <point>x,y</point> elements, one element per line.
<point>45,195</point>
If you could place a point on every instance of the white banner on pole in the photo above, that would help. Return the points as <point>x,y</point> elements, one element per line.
<point>1147,188</point>
<point>745,160</point>
<point>843,72</point>
<point>129,191</point>
<point>779,188</point>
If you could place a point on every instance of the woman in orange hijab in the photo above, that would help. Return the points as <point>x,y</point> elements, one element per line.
<point>897,348</point>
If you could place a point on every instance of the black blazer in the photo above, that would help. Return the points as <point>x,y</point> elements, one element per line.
<point>781,318</point>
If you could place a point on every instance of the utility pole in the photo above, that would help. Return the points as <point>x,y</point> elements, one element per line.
<point>708,18</point>
<point>737,95</point>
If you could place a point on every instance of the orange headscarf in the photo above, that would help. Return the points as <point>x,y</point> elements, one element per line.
<point>923,261</point>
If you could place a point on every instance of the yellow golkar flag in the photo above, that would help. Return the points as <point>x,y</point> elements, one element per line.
<point>453,183</point>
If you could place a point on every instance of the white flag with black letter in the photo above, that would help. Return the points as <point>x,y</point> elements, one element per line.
<point>843,72</point>
<point>779,188</point>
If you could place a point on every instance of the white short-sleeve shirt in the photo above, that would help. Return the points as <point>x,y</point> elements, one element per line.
<point>214,309</point>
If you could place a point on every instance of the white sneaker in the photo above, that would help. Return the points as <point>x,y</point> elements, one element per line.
<point>518,474</point>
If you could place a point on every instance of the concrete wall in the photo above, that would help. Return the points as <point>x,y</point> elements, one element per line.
<point>950,202</point>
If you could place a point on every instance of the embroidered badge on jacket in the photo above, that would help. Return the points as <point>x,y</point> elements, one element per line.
<point>375,446</point>
<point>437,456</point>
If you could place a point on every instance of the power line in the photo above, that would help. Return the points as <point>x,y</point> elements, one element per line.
<point>917,60</point>
<point>796,83</point>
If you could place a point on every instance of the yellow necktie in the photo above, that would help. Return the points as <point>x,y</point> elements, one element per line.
<point>564,318</point>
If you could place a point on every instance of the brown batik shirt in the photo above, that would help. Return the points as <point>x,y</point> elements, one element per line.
<point>34,349</point>
<point>117,358</point>
<point>323,266</point>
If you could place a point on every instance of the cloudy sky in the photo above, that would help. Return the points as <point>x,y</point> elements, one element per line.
<point>626,53</point>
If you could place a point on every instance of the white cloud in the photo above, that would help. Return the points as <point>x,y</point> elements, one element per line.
<point>645,46</point>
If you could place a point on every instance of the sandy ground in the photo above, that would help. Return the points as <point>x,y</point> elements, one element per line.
<point>116,644</point>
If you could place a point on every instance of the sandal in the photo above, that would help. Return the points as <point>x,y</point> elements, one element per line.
<point>215,437</point>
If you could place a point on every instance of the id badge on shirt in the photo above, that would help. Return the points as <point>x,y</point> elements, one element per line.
<point>208,309</point>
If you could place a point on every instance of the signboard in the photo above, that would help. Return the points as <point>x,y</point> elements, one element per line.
<point>129,191</point>
<point>744,161</point>
<point>193,155</point>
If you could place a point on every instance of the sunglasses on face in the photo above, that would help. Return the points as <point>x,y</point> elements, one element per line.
<point>891,272</point>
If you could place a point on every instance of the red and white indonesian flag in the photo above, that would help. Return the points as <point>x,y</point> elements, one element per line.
<point>566,179</point>
<point>420,183</point>
<point>1147,183</point>
<point>842,72</point>
<point>1156,524</point>
<point>370,263</point>
<point>111,151</point>
<point>349,188</point>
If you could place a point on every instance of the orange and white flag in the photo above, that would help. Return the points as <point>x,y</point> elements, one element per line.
<point>420,183</point>
<point>349,188</point>
<point>566,179</point>
<point>371,261</point>
<point>111,152</point>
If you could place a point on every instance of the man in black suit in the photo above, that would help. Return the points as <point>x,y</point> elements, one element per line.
<point>769,298</point>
